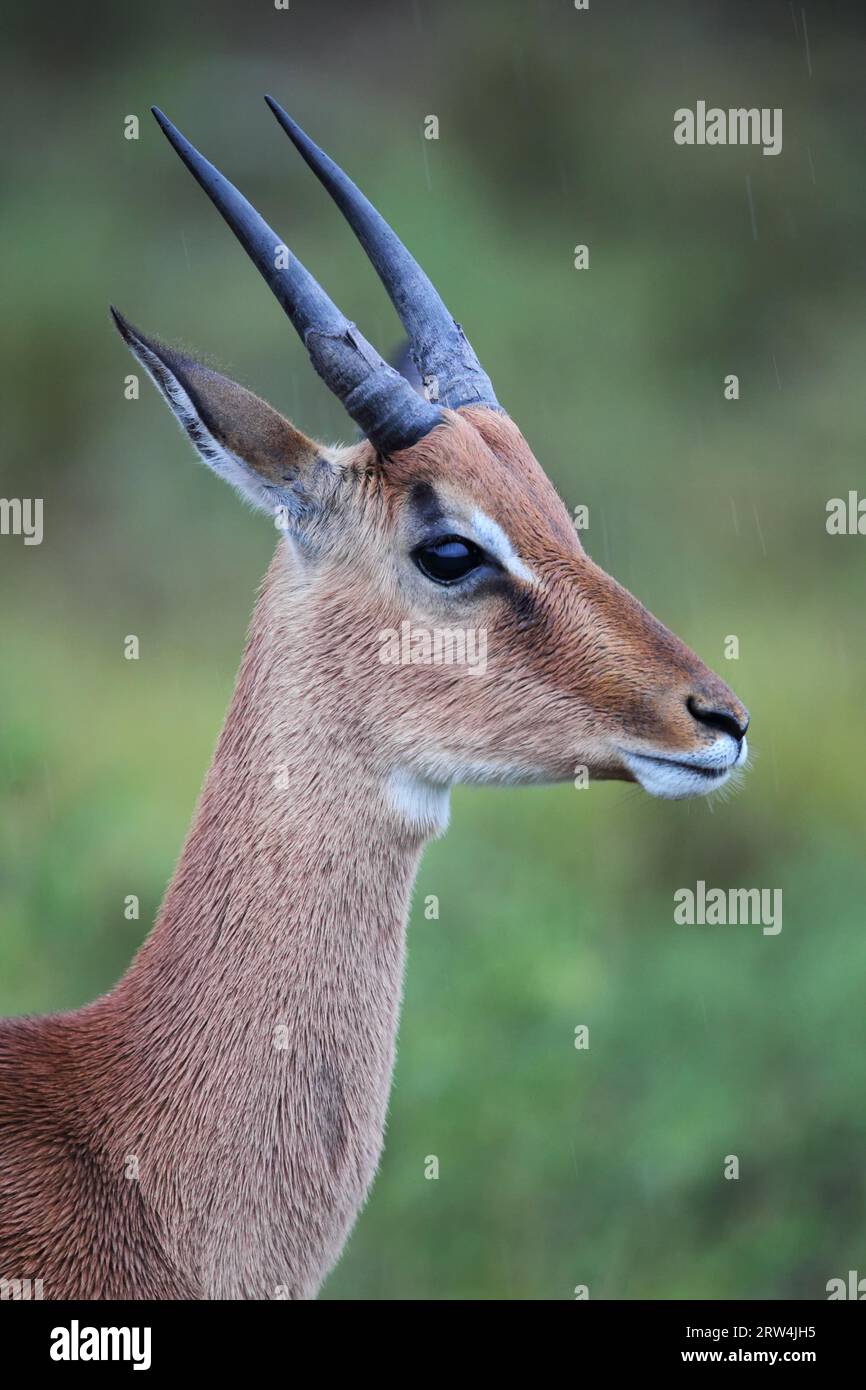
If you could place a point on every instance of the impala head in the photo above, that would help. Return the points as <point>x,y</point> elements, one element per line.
<point>439,536</point>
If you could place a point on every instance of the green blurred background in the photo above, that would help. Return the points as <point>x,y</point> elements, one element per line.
<point>557,1167</point>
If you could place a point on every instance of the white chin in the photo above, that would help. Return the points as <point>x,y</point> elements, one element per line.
<point>672,780</point>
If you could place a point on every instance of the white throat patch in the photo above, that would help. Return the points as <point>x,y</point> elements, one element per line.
<point>422,806</point>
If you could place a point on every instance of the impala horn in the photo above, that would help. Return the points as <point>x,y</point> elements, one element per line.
<point>439,346</point>
<point>390,413</point>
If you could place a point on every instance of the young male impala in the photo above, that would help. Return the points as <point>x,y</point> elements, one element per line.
<point>210,1128</point>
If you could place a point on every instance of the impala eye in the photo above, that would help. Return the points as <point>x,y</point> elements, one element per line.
<point>448,560</point>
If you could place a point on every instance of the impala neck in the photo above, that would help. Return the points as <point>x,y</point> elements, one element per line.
<point>267,997</point>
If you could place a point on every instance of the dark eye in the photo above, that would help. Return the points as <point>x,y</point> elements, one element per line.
<point>448,560</point>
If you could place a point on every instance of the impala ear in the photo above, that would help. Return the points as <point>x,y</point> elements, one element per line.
<point>270,463</point>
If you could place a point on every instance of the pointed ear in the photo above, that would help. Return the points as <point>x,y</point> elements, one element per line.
<point>239,436</point>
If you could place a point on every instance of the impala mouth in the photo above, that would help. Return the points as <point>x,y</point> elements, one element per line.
<point>675,778</point>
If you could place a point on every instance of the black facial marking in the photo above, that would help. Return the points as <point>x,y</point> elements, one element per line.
<point>528,611</point>
<point>426,506</point>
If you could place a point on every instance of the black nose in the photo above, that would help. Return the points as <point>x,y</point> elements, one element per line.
<point>733,720</point>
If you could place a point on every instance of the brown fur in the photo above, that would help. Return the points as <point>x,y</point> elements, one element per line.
<point>240,1070</point>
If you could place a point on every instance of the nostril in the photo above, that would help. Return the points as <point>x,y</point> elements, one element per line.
<point>722,719</point>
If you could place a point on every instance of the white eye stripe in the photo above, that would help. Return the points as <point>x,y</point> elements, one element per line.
<point>490,535</point>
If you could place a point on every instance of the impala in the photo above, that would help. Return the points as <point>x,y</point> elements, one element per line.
<point>210,1128</point>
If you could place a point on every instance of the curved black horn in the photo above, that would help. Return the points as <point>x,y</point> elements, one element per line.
<point>378,399</point>
<point>438,343</point>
